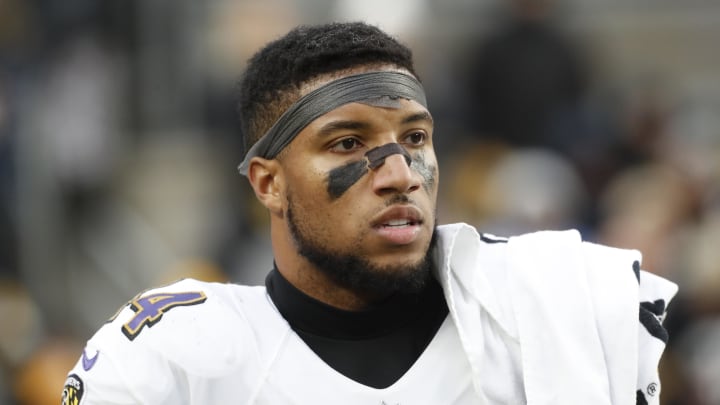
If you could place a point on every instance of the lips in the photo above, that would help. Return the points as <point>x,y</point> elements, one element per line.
<point>398,216</point>
<point>399,225</point>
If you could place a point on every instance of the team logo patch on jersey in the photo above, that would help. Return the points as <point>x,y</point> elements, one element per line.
<point>73,391</point>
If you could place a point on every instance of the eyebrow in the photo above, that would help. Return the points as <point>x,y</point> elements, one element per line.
<point>352,125</point>
<point>340,125</point>
<point>420,116</point>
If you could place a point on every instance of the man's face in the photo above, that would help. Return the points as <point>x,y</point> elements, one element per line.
<point>368,229</point>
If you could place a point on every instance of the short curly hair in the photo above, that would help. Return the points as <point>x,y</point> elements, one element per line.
<point>274,75</point>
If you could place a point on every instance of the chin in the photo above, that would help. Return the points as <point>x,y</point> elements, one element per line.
<point>399,259</point>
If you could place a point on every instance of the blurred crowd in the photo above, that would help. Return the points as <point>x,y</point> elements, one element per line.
<point>119,145</point>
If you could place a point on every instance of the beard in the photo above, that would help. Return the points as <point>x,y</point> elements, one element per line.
<point>357,273</point>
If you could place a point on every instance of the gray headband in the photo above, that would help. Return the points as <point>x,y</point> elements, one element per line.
<point>381,89</point>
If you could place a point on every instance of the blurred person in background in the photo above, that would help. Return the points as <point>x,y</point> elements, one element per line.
<point>369,299</point>
<point>525,79</point>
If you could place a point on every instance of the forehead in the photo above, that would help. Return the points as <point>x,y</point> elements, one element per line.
<point>363,111</point>
<point>401,111</point>
<point>322,80</point>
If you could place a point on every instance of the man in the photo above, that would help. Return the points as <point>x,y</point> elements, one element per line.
<point>369,302</point>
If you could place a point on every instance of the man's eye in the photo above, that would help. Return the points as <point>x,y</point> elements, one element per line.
<point>416,138</point>
<point>346,145</point>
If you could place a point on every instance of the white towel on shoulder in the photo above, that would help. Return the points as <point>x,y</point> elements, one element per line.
<point>581,321</point>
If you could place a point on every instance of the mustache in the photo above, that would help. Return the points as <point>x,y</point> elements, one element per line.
<point>399,199</point>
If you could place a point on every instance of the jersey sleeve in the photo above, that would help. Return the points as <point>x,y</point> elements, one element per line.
<point>112,373</point>
<point>130,359</point>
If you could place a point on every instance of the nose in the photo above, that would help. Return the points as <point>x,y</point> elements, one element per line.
<point>394,176</point>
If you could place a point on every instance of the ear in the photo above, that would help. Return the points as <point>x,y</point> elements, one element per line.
<point>266,179</point>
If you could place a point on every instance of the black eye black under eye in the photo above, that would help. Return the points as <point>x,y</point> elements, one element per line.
<point>342,178</point>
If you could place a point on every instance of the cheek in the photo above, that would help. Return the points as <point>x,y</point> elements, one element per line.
<point>340,179</point>
<point>427,170</point>
<point>302,187</point>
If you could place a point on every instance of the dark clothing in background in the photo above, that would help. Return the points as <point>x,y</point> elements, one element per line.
<point>520,80</point>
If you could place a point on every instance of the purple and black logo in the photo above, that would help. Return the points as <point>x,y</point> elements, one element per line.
<point>89,362</point>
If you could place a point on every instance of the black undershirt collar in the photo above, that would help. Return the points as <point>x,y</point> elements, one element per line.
<point>374,347</point>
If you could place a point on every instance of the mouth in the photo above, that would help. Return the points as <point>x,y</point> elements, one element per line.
<point>399,225</point>
<point>398,216</point>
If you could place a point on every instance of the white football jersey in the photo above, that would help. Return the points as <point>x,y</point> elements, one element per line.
<point>207,343</point>
<point>542,318</point>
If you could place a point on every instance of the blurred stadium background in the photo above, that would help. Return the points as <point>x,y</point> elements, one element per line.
<point>119,143</point>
